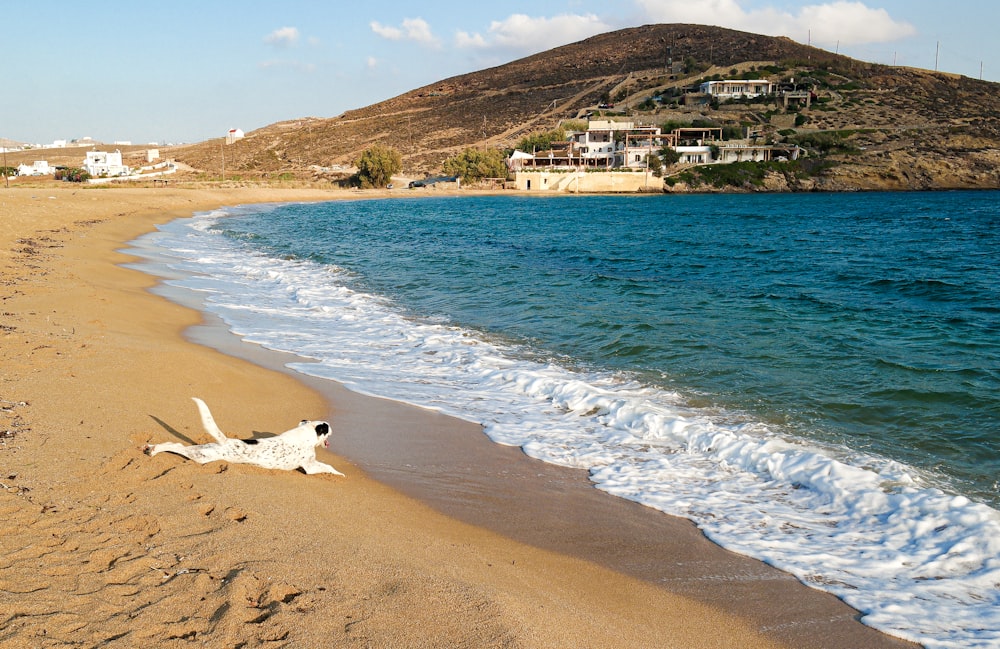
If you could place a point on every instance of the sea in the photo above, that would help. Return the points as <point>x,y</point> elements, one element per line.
<point>813,379</point>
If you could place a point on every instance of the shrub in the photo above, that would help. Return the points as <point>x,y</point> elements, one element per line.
<point>72,174</point>
<point>473,165</point>
<point>654,164</point>
<point>377,166</point>
<point>741,174</point>
<point>825,142</point>
<point>540,141</point>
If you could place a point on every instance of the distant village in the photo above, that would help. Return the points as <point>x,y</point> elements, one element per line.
<point>102,166</point>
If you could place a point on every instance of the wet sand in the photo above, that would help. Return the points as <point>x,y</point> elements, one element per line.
<point>437,538</point>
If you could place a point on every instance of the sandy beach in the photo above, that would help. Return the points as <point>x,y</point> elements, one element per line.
<point>478,546</point>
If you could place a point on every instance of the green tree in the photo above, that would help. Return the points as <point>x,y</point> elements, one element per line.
<point>654,164</point>
<point>540,141</point>
<point>474,164</point>
<point>377,166</point>
<point>669,155</point>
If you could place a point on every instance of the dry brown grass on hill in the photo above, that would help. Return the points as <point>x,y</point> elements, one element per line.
<point>494,106</point>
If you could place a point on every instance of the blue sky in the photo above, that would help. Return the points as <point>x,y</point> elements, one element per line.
<point>184,71</point>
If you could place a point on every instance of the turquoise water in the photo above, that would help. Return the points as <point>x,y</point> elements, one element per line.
<point>869,320</point>
<point>812,379</point>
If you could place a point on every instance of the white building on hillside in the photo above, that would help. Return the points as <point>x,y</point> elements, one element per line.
<point>737,88</point>
<point>234,134</point>
<point>104,163</point>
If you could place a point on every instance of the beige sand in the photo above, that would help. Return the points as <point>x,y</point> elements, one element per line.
<point>103,546</point>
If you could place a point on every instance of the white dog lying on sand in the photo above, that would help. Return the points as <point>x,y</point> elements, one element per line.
<point>293,449</point>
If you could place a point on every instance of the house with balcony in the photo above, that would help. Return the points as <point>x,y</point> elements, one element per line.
<point>737,88</point>
<point>744,152</point>
<point>605,144</point>
<point>598,145</point>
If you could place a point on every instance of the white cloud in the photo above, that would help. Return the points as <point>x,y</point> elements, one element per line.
<point>283,37</point>
<point>465,39</point>
<point>412,29</point>
<point>526,34</point>
<point>371,63</point>
<point>840,21</point>
<point>389,33</point>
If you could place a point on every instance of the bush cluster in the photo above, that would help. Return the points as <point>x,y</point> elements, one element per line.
<point>736,174</point>
<point>72,174</point>
<point>474,164</point>
<point>377,166</point>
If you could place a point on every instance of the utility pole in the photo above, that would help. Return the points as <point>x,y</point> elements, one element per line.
<point>937,51</point>
<point>6,172</point>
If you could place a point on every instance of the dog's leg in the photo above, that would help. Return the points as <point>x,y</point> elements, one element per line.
<point>166,447</point>
<point>200,453</point>
<point>208,422</point>
<point>315,466</point>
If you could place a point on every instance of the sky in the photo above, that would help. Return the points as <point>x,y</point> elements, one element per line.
<point>186,71</point>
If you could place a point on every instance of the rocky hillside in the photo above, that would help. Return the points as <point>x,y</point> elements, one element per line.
<point>872,126</point>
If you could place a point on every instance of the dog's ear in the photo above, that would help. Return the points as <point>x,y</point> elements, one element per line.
<point>322,428</point>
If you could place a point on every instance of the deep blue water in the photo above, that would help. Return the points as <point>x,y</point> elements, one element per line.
<point>870,321</point>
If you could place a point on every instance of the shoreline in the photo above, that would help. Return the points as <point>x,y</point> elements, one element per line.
<point>100,359</point>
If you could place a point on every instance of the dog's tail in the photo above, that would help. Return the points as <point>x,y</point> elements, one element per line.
<point>209,422</point>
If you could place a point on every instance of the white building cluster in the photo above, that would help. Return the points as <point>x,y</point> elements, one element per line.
<point>607,145</point>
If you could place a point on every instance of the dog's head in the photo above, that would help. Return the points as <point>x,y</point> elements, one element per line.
<point>322,431</point>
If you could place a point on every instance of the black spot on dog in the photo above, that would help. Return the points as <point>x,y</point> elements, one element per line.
<point>249,441</point>
<point>322,429</point>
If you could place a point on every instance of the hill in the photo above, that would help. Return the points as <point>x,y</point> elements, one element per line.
<point>872,126</point>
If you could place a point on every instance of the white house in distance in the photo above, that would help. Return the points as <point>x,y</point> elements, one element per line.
<point>234,134</point>
<point>37,168</point>
<point>737,88</point>
<point>104,163</point>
